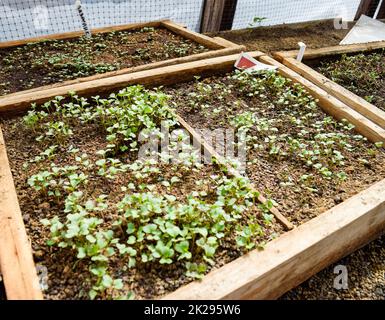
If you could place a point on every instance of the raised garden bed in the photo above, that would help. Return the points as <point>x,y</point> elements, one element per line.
<point>297,154</point>
<point>352,73</point>
<point>147,225</point>
<point>70,57</point>
<point>260,274</point>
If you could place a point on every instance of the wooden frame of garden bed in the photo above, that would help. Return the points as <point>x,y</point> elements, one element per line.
<point>285,262</point>
<point>370,111</point>
<point>218,46</point>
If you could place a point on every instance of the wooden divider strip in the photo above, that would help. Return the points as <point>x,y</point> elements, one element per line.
<point>198,37</point>
<point>175,27</point>
<point>332,105</point>
<point>355,102</point>
<point>331,51</point>
<point>16,262</point>
<point>227,43</point>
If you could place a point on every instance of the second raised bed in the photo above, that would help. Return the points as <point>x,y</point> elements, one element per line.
<point>60,59</point>
<point>352,73</point>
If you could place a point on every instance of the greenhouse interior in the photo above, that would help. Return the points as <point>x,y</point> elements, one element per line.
<point>198,150</point>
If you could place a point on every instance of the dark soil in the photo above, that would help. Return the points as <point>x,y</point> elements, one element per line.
<point>286,37</point>
<point>280,177</point>
<point>362,74</point>
<point>49,62</point>
<point>68,277</point>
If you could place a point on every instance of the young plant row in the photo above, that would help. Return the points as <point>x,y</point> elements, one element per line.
<point>280,122</point>
<point>362,74</point>
<point>153,219</point>
<point>51,61</point>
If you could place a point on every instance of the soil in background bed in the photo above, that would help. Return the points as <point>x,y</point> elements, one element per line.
<point>362,74</point>
<point>275,112</point>
<point>68,277</point>
<point>286,37</point>
<point>43,63</point>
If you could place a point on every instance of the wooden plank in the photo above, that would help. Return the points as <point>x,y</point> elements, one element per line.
<point>227,43</point>
<point>160,76</point>
<point>281,55</point>
<point>363,8</point>
<point>209,150</point>
<point>75,34</point>
<point>295,256</point>
<point>189,34</point>
<point>182,25</point>
<point>355,102</point>
<point>332,105</point>
<point>331,51</point>
<point>229,50</point>
<point>212,15</point>
<point>16,262</point>
<point>228,14</point>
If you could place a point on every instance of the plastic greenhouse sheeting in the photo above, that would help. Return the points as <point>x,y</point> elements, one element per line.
<point>365,30</point>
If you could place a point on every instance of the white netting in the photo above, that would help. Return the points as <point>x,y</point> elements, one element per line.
<point>284,11</point>
<point>21,19</point>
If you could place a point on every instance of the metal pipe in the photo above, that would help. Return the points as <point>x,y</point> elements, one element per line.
<point>378,9</point>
